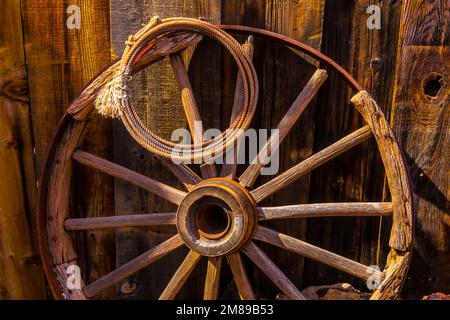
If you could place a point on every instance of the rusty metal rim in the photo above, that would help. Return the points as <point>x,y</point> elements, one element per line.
<point>298,46</point>
<point>42,235</point>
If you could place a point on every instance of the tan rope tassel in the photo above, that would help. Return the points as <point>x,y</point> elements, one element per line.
<point>108,102</point>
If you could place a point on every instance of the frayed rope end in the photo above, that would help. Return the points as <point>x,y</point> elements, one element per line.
<point>109,100</point>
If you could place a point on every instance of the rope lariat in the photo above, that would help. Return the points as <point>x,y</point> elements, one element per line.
<point>114,98</point>
<point>109,100</point>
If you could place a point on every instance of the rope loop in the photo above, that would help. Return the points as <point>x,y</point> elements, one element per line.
<point>114,100</point>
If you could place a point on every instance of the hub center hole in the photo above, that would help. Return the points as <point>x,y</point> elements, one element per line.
<point>212,221</point>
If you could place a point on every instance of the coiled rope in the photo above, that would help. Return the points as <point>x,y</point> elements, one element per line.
<point>114,100</point>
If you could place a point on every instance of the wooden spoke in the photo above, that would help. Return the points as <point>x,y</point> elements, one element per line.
<point>326,210</point>
<point>133,266</point>
<point>229,169</point>
<point>134,220</point>
<point>190,108</point>
<point>188,177</point>
<point>290,118</point>
<point>208,170</point>
<point>212,280</point>
<point>315,253</point>
<point>272,271</point>
<point>180,276</point>
<point>311,163</point>
<point>171,194</point>
<point>187,97</point>
<point>240,277</point>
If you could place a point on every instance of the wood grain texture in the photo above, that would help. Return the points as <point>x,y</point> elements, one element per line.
<point>164,191</point>
<point>421,124</point>
<point>180,276</point>
<point>243,284</point>
<point>311,163</point>
<point>183,173</point>
<point>272,271</point>
<point>212,280</point>
<point>61,274</point>
<point>317,210</point>
<point>397,266</point>
<point>62,250</point>
<point>157,97</point>
<point>138,220</point>
<point>315,253</point>
<point>397,175</point>
<point>282,75</point>
<point>187,97</point>
<point>420,121</point>
<point>133,266</point>
<point>371,57</point>
<point>287,122</point>
<point>59,62</point>
<point>20,276</point>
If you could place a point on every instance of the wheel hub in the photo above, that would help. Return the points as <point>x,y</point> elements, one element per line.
<point>217,217</point>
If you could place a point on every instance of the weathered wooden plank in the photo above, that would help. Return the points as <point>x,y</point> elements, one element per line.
<point>60,61</point>
<point>373,61</point>
<point>282,76</point>
<point>20,277</point>
<point>371,58</point>
<point>156,94</point>
<point>421,123</point>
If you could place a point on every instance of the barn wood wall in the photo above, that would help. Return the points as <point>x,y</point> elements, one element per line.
<point>43,65</point>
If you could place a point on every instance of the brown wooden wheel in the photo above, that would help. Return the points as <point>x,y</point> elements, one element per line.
<point>218,215</point>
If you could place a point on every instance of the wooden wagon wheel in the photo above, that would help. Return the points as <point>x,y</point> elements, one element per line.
<point>218,216</point>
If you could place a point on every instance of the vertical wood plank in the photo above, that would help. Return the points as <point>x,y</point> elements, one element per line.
<point>282,75</point>
<point>20,275</point>
<point>156,95</point>
<point>370,57</point>
<point>373,60</point>
<point>285,75</point>
<point>421,123</point>
<point>60,61</point>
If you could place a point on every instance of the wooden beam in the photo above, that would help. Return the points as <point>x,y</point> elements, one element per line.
<point>20,276</point>
<point>420,122</point>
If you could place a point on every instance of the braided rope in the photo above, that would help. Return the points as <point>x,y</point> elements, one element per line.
<point>114,100</point>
